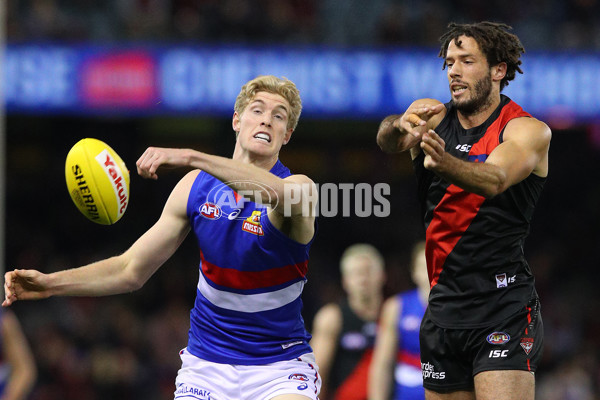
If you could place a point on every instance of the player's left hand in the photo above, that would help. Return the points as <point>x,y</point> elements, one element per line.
<point>434,148</point>
<point>155,157</point>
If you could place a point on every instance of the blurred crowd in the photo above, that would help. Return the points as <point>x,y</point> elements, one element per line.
<point>126,347</point>
<point>542,24</point>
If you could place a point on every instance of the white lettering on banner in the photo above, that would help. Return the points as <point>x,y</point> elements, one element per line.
<point>415,77</point>
<point>37,77</point>
<point>191,78</point>
<point>356,82</point>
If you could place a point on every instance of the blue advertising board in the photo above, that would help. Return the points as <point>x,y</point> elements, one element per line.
<point>204,80</point>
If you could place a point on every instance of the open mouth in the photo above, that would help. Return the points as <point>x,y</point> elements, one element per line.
<point>263,136</point>
<point>458,89</point>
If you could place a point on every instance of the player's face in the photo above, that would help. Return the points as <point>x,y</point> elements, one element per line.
<point>469,76</point>
<point>363,277</point>
<point>262,127</point>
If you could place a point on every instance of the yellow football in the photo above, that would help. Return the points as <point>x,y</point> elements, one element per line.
<point>98,181</point>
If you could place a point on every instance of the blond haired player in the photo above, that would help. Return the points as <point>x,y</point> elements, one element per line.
<point>247,338</point>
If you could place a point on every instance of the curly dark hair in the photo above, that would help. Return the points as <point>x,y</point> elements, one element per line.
<point>495,42</point>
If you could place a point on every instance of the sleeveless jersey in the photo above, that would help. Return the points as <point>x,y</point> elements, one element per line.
<point>474,245</point>
<point>248,306</point>
<point>350,369</point>
<point>408,375</point>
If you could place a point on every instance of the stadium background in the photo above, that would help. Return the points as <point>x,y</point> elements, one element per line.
<point>125,347</point>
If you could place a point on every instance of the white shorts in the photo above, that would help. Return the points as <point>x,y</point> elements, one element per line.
<point>199,379</point>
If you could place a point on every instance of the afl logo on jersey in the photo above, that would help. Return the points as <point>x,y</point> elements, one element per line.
<point>498,338</point>
<point>210,211</point>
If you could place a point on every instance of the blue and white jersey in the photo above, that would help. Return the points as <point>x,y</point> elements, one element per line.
<point>408,375</point>
<point>248,305</point>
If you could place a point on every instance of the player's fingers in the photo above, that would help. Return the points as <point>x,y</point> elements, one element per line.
<point>415,119</point>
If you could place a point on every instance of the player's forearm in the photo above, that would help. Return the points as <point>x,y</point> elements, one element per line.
<point>379,384</point>
<point>257,184</point>
<point>389,138</point>
<point>483,179</point>
<point>20,384</point>
<point>102,278</point>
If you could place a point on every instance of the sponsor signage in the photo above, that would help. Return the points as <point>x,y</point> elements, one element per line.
<point>205,80</point>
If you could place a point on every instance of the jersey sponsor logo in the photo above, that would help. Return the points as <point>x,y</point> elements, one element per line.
<point>502,280</point>
<point>302,386</point>
<point>232,202</point>
<point>465,148</point>
<point>498,354</point>
<point>430,373</point>
<point>527,345</point>
<point>298,377</point>
<point>288,345</point>
<point>210,211</point>
<point>184,391</point>
<point>252,224</point>
<point>477,157</point>
<point>498,338</point>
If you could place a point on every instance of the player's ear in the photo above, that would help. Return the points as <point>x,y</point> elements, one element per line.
<point>499,71</point>
<point>287,136</point>
<point>235,123</point>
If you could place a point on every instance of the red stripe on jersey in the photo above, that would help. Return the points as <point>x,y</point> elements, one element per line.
<point>451,218</point>
<point>410,359</point>
<point>235,279</point>
<point>354,386</point>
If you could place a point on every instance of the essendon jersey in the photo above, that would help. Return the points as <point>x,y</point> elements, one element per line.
<point>474,245</point>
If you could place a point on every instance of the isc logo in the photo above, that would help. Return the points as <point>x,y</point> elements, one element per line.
<point>498,353</point>
<point>210,211</point>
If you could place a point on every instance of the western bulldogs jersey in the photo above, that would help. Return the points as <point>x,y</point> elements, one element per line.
<point>248,304</point>
<point>408,377</point>
<point>474,245</point>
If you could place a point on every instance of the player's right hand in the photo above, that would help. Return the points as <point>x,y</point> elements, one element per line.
<point>414,120</point>
<point>24,284</point>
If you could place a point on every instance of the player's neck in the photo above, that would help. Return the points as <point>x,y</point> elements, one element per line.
<point>366,307</point>
<point>477,118</point>
<point>261,161</point>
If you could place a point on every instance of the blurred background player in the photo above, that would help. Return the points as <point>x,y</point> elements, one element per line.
<point>344,333</point>
<point>247,338</point>
<point>397,346</point>
<point>17,366</point>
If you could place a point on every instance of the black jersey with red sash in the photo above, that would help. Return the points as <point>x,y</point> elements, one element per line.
<point>350,369</point>
<point>474,245</point>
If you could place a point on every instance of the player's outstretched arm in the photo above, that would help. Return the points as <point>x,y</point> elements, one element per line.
<point>398,133</point>
<point>119,274</point>
<point>250,181</point>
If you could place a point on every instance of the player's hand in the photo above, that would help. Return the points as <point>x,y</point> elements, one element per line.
<point>434,148</point>
<point>155,157</point>
<point>24,284</point>
<point>414,120</point>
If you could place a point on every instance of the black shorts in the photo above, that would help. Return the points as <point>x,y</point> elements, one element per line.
<point>450,358</point>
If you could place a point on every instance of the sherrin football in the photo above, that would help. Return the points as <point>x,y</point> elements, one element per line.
<point>98,181</point>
